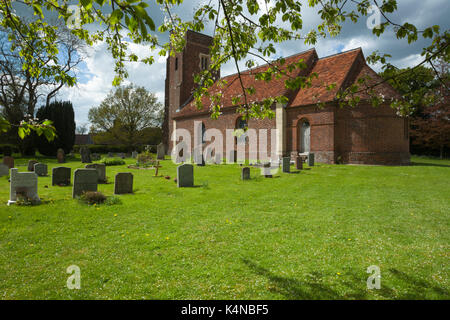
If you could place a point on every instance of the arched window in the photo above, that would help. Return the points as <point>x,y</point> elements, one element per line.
<point>241,123</point>
<point>203,133</point>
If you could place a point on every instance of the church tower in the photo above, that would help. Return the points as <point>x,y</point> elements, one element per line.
<point>180,72</point>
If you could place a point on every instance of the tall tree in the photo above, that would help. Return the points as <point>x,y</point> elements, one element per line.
<point>63,117</point>
<point>125,112</point>
<point>244,31</point>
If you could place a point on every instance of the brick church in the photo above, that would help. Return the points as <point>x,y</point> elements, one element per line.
<point>360,135</point>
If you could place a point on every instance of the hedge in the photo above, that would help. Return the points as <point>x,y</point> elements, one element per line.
<point>102,149</point>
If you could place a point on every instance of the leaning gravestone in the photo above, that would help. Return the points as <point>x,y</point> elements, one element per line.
<point>298,163</point>
<point>84,180</point>
<point>287,164</point>
<point>101,169</point>
<point>160,151</point>
<point>245,173</point>
<point>85,155</point>
<point>311,159</point>
<point>23,183</point>
<point>185,175</point>
<point>31,164</point>
<point>60,176</point>
<point>61,156</point>
<point>4,170</point>
<point>123,183</point>
<point>134,154</point>
<point>41,169</point>
<point>8,161</point>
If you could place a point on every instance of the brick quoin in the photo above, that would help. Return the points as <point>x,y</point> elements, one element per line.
<point>360,135</point>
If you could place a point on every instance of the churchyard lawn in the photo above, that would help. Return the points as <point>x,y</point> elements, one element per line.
<point>307,235</point>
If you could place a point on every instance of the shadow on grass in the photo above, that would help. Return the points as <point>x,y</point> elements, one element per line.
<point>427,164</point>
<point>315,288</point>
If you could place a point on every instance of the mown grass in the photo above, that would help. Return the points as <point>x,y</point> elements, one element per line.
<point>307,235</point>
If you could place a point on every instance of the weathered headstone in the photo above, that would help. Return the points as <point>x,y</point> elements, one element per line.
<point>245,173</point>
<point>61,176</point>
<point>31,164</point>
<point>101,169</point>
<point>110,155</point>
<point>23,183</point>
<point>160,151</point>
<point>121,155</point>
<point>95,157</point>
<point>61,156</point>
<point>311,159</point>
<point>134,154</point>
<point>298,163</point>
<point>185,175</point>
<point>85,155</point>
<point>84,180</point>
<point>41,169</point>
<point>287,164</point>
<point>123,183</point>
<point>4,170</point>
<point>8,161</point>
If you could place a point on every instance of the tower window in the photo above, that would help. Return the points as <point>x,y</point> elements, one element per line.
<point>204,62</point>
<point>176,63</point>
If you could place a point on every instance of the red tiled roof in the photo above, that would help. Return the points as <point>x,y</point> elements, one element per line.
<point>329,70</point>
<point>342,69</point>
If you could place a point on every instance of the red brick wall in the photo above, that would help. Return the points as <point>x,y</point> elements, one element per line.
<point>322,129</point>
<point>371,135</point>
<point>227,121</point>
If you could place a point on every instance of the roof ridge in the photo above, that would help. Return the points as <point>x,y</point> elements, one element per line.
<point>339,53</point>
<point>266,64</point>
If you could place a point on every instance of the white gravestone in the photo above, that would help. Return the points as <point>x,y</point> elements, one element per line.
<point>25,183</point>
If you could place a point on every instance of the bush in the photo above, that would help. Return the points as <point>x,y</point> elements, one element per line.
<point>103,148</point>
<point>8,149</point>
<point>63,117</point>
<point>93,197</point>
<point>112,161</point>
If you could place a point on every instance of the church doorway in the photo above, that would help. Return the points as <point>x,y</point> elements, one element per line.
<point>304,139</point>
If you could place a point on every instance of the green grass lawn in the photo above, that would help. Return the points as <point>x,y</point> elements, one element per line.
<point>307,235</point>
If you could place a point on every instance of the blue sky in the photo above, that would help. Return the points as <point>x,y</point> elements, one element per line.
<point>96,73</point>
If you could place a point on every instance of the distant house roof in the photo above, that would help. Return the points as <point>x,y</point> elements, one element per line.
<point>343,69</point>
<point>82,139</point>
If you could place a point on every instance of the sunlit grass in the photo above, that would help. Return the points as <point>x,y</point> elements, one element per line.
<point>307,235</point>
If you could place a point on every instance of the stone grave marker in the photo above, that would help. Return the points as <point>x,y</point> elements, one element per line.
<point>41,169</point>
<point>160,151</point>
<point>95,157</point>
<point>8,161</point>
<point>311,159</point>
<point>298,163</point>
<point>61,156</point>
<point>245,173</point>
<point>85,155</point>
<point>110,155</point>
<point>4,170</point>
<point>84,180</point>
<point>61,176</point>
<point>134,154</point>
<point>101,169</point>
<point>23,183</point>
<point>31,164</point>
<point>123,183</point>
<point>185,175</point>
<point>287,164</point>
